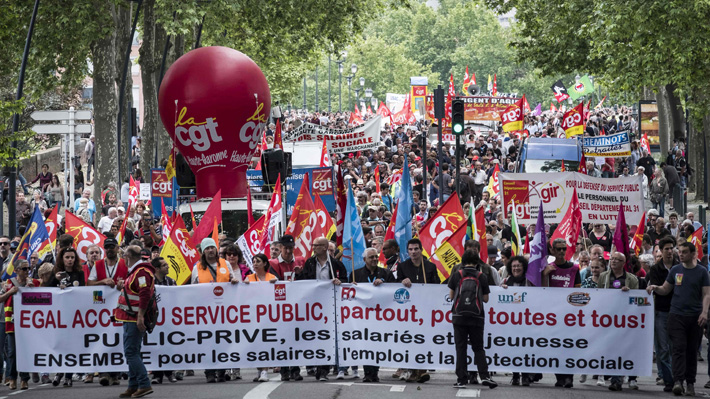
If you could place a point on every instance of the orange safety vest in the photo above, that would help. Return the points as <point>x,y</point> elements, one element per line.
<point>122,312</point>
<point>205,276</point>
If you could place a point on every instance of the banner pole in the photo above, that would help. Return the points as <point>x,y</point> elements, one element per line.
<point>352,258</point>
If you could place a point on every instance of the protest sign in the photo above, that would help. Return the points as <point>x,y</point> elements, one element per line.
<point>203,326</point>
<point>611,146</point>
<point>360,138</point>
<point>599,198</point>
<point>528,329</point>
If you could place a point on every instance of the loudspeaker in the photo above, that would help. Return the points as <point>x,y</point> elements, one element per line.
<point>474,90</point>
<point>439,103</point>
<point>275,163</point>
<point>183,174</point>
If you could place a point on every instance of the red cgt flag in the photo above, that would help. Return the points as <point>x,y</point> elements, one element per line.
<point>570,226</point>
<point>513,117</point>
<point>637,240</point>
<point>84,235</point>
<point>582,165</point>
<point>697,239</point>
<point>206,225</point>
<point>447,220</point>
<point>278,141</point>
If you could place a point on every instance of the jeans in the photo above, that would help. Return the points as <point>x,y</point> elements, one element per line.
<point>661,345</point>
<point>12,359</point>
<point>659,206</point>
<point>2,349</point>
<point>685,335</point>
<point>89,165</point>
<point>137,374</point>
<point>462,334</point>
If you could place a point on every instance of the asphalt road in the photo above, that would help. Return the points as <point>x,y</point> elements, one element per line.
<point>440,386</point>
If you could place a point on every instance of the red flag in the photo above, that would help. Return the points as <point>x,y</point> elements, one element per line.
<point>697,239</point>
<point>586,111</point>
<point>526,106</point>
<point>447,220</point>
<point>325,221</point>
<point>553,108</point>
<point>84,235</point>
<point>324,155</point>
<point>573,121</point>
<point>562,169</point>
<point>570,226</point>
<point>582,165</point>
<point>133,191</point>
<point>473,78</point>
<point>369,110</point>
<point>645,144</point>
<point>341,202</point>
<point>355,118</point>
<point>249,241</point>
<point>466,82</point>
<point>122,230</point>
<point>513,117</point>
<point>180,245</point>
<point>213,212</point>
<point>192,218</point>
<point>302,224</point>
<point>405,115</point>
<point>165,221</point>
<point>480,216</point>
<point>389,235</point>
<point>273,217</point>
<point>383,110</point>
<point>278,141</point>
<point>376,174</point>
<point>526,248</point>
<point>51,223</point>
<point>637,240</point>
<point>494,92</point>
<point>600,103</point>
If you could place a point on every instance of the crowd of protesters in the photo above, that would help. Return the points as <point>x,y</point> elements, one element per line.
<point>664,254</point>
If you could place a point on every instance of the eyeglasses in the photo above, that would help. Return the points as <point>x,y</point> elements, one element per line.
<point>560,248</point>
<point>24,269</point>
<point>5,243</point>
<point>372,257</point>
<point>231,254</point>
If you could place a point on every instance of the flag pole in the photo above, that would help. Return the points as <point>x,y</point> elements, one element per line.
<point>352,257</point>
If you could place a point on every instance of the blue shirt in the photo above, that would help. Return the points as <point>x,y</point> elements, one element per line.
<point>687,286</point>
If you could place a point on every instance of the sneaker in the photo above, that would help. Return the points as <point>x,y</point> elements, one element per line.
<point>460,385</point>
<point>600,381</point>
<point>341,375</point>
<point>323,378</point>
<point>404,375</point>
<point>263,376</point>
<point>659,381</point>
<point>615,386</point>
<point>68,383</point>
<point>24,385</point>
<point>526,381</point>
<point>13,384</point>
<point>237,374</point>
<point>179,375</point>
<point>489,383</point>
<point>678,388</point>
<point>211,379</point>
<point>473,380</point>
<point>367,379</point>
<point>311,371</point>
<point>296,377</point>
<point>668,388</point>
<point>690,389</point>
<point>45,379</point>
<point>582,378</point>
<point>114,381</point>
<point>413,376</point>
<point>398,373</point>
<point>424,377</point>
<point>633,385</point>
<point>516,380</point>
<point>172,378</point>
<point>222,378</point>
<point>104,381</point>
<point>284,378</point>
<point>88,379</point>
<point>55,382</point>
<point>142,392</point>
<point>707,385</point>
<point>356,375</point>
<point>568,383</point>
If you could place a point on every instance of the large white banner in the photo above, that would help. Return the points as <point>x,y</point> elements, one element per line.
<point>599,198</point>
<point>606,332</point>
<point>360,138</point>
<point>205,326</point>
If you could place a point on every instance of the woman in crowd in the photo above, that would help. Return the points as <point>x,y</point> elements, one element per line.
<point>37,200</point>
<point>55,191</point>
<point>596,267</point>
<point>68,271</point>
<point>234,256</point>
<point>602,236</point>
<point>260,263</point>
<point>516,268</point>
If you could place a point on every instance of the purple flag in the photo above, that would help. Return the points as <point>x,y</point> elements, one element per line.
<point>538,110</point>
<point>620,242</point>
<point>538,251</point>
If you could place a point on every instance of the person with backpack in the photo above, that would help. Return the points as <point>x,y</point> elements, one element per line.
<point>468,289</point>
<point>135,311</point>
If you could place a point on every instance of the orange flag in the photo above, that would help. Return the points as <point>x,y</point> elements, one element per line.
<point>278,142</point>
<point>637,240</point>
<point>376,173</point>
<point>697,239</point>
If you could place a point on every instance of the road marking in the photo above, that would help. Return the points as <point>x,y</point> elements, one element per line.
<point>469,393</point>
<point>397,388</point>
<point>263,390</point>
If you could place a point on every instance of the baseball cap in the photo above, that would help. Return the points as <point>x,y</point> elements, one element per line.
<point>155,248</point>
<point>110,242</point>
<point>145,254</point>
<point>206,243</point>
<point>287,240</point>
<point>492,250</point>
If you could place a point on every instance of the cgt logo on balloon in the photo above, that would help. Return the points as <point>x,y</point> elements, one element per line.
<point>214,102</point>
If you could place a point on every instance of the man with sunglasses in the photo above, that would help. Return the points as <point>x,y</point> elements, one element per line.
<point>5,254</point>
<point>22,268</point>
<point>561,274</point>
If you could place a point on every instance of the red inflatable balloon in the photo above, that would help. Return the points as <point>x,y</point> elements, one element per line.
<point>214,102</point>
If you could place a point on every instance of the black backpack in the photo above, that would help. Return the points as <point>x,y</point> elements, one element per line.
<point>467,300</point>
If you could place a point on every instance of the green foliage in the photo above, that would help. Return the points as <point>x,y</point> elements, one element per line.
<point>10,155</point>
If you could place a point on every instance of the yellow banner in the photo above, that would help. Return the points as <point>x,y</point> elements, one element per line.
<point>448,257</point>
<point>574,131</point>
<point>179,269</point>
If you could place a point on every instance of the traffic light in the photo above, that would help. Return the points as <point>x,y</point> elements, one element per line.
<point>457,116</point>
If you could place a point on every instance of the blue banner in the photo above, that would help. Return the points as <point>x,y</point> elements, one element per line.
<point>611,146</point>
<point>162,189</point>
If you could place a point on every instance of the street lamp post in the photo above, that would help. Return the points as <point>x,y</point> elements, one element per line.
<point>328,82</point>
<point>349,79</point>
<point>357,91</point>
<point>316,88</point>
<point>353,70</point>
<point>304,94</point>
<point>340,86</point>
<point>368,96</point>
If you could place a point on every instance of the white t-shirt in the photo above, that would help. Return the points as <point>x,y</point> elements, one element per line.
<point>105,224</point>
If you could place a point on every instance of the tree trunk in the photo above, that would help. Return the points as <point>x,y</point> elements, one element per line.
<point>702,170</point>
<point>123,32</point>
<point>103,52</point>
<point>677,113</point>
<point>161,135</point>
<point>665,121</point>
<point>149,65</point>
